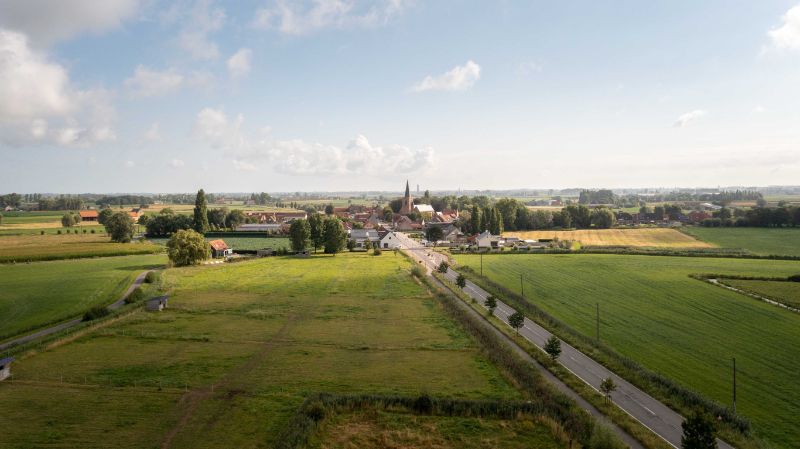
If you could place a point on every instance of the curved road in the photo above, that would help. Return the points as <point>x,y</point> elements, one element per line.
<point>654,415</point>
<point>67,324</point>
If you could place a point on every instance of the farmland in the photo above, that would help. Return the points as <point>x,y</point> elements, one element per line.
<point>238,350</point>
<point>45,292</point>
<point>35,247</point>
<point>685,329</point>
<point>247,243</point>
<point>763,241</point>
<point>638,237</point>
<point>784,292</point>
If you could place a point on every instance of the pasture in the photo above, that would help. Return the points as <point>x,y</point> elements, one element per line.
<point>783,292</point>
<point>685,329</point>
<point>22,248</point>
<point>247,243</point>
<point>762,241</point>
<point>237,351</point>
<point>41,293</point>
<point>635,237</point>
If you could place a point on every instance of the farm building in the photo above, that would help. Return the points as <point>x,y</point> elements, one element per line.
<point>88,215</point>
<point>390,241</point>
<point>219,248</point>
<point>156,304</point>
<point>5,367</point>
<point>487,240</point>
<point>361,236</point>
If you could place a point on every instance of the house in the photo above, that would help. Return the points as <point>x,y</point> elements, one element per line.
<point>9,208</point>
<point>219,248</point>
<point>487,240</point>
<point>697,216</point>
<point>5,368</point>
<point>390,241</point>
<point>404,223</point>
<point>88,215</point>
<point>360,236</point>
<point>156,304</point>
<point>135,214</point>
<point>423,209</point>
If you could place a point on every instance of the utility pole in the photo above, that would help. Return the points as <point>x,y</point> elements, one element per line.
<point>734,385</point>
<point>521,286</point>
<point>598,322</point>
<point>481,264</point>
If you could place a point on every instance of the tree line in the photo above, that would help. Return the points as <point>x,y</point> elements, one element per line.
<point>761,217</point>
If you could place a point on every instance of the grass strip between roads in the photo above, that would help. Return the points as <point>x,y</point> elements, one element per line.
<point>734,429</point>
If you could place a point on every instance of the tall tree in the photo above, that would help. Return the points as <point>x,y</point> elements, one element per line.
<point>200,222</point>
<point>516,320</point>
<point>434,234</point>
<point>317,230</point>
<point>299,234</point>
<point>475,219</point>
<point>120,227</point>
<point>187,247</point>
<point>335,235</point>
<point>699,432</point>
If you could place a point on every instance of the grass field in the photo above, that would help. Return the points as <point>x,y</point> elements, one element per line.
<point>388,430</point>
<point>22,248</point>
<point>649,237</point>
<point>238,350</point>
<point>784,292</point>
<point>685,329</point>
<point>764,241</point>
<point>243,242</point>
<point>32,295</point>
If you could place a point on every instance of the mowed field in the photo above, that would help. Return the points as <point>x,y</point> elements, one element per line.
<point>642,237</point>
<point>40,293</point>
<point>237,351</point>
<point>784,292</point>
<point>35,247</point>
<point>249,243</point>
<point>763,241</point>
<point>685,329</point>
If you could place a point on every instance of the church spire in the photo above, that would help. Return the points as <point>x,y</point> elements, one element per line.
<point>408,192</point>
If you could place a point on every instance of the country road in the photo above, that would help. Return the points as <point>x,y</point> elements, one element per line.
<point>654,415</point>
<point>67,324</point>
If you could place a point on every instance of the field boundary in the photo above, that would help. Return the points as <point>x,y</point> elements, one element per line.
<point>719,281</point>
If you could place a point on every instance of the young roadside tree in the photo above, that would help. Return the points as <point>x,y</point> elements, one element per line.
<point>334,235</point>
<point>516,320</point>
<point>434,234</point>
<point>607,386</point>
<point>67,220</point>
<point>200,222</point>
<point>299,234</point>
<point>491,304</point>
<point>104,214</point>
<point>120,227</point>
<point>553,347</point>
<point>443,267</point>
<point>187,247</point>
<point>461,281</point>
<point>316,226</point>
<point>699,432</point>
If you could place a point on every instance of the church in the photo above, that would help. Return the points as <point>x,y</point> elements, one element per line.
<point>408,202</point>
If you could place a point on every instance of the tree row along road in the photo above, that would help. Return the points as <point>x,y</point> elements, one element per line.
<point>654,415</point>
<point>74,322</point>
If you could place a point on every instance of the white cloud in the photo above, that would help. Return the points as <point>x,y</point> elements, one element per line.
<point>38,104</point>
<point>153,133</point>
<point>47,21</point>
<point>147,82</point>
<point>130,164</point>
<point>303,158</point>
<point>459,78</point>
<point>684,119</point>
<point>176,163</point>
<point>202,21</point>
<point>787,36</point>
<point>303,17</point>
<point>239,63</point>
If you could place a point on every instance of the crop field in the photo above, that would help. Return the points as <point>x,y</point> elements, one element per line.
<point>638,237</point>
<point>243,242</point>
<point>35,294</point>
<point>685,329</point>
<point>381,429</point>
<point>237,351</point>
<point>35,247</point>
<point>764,241</point>
<point>784,292</point>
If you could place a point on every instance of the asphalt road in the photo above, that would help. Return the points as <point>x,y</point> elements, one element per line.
<point>654,415</point>
<point>67,324</point>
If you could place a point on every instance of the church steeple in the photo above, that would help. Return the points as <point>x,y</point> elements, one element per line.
<point>408,192</point>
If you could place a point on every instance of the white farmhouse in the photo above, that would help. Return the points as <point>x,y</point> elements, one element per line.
<point>390,241</point>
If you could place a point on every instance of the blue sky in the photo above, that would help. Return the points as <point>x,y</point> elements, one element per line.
<point>154,96</point>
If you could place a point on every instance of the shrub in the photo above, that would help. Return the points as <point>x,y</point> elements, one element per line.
<point>417,271</point>
<point>423,404</point>
<point>41,232</point>
<point>57,232</point>
<point>152,277</point>
<point>92,231</point>
<point>136,295</point>
<point>95,313</point>
<point>794,278</point>
<point>377,251</point>
<point>315,411</point>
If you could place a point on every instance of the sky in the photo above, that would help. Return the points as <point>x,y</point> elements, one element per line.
<point>349,95</point>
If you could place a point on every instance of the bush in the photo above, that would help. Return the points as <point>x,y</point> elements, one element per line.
<point>423,404</point>
<point>377,251</point>
<point>315,411</point>
<point>41,232</point>
<point>152,277</point>
<point>794,278</point>
<point>95,313</point>
<point>417,271</point>
<point>136,295</point>
<point>57,232</point>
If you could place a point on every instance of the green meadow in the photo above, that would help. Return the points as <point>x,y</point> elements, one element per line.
<point>762,241</point>
<point>24,248</point>
<point>248,243</point>
<point>787,293</point>
<point>685,329</point>
<point>240,347</point>
<point>40,293</point>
